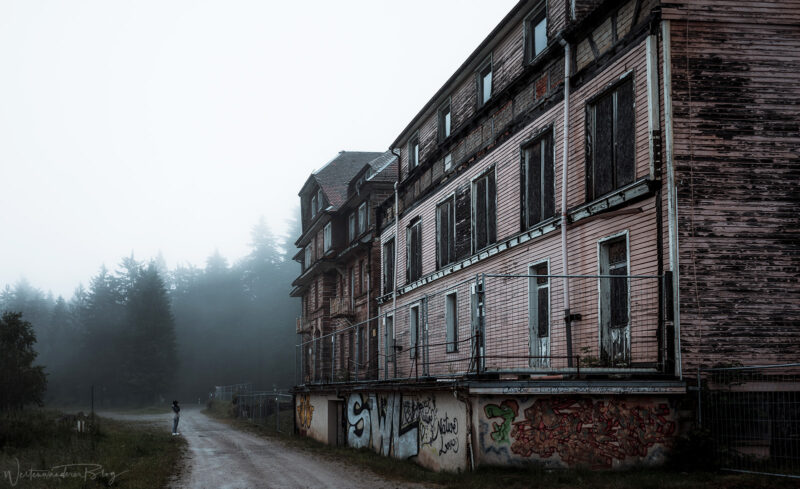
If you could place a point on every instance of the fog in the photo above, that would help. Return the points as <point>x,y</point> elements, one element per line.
<point>164,131</point>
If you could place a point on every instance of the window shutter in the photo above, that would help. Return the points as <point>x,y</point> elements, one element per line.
<point>463,222</point>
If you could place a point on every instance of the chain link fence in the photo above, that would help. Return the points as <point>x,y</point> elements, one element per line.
<point>753,417</point>
<point>228,392</point>
<point>273,410</point>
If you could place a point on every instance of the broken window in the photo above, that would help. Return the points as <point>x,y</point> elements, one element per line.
<point>614,302</point>
<point>413,152</point>
<point>445,232</point>
<point>484,227</point>
<point>485,83</point>
<point>414,250</point>
<point>610,141</point>
<point>538,175</point>
<point>444,121</point>
<point>451,321</point>
<point>362,218</point>
<point>388,266</point>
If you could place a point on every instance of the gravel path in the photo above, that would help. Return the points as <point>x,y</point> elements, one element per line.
<point>222,457</point>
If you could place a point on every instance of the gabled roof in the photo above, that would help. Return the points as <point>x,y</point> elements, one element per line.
<point>334,177</point>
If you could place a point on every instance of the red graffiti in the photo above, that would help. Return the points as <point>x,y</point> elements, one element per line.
<point>583,432</point>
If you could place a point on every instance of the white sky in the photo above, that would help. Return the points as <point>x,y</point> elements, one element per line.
<point>170,126</point>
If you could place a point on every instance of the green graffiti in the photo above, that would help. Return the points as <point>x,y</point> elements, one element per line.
<point>507,410</point>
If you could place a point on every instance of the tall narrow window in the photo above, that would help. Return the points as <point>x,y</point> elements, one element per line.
<point>388,266</point>
<point>485,83</point>
<point>413,329</point>
<point>444,121</point>
<point>307,258</point>
<point>326,237</point>
<point>352,290</point>
<point>484,227</point>
<point>448,161</point>
<point>351,227</point>
<point>313,205</point>
<point>320,199</point>
<point>538,190</point>
<point>614,302</point>
<point>364,284</point>
<point>610,141</point>
<point>362,218</point>
<point>535,33</point>
<point>389,340</point>
<point>413,152</point>
<point>414,251</point>
<point>445,232</point>
<point>539,315</point>
<point>451,321</point>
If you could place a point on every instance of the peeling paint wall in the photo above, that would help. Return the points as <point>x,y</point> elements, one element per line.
<point>574,431</point>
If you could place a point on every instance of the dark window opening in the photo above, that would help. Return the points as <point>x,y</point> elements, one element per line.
<point>484,227</point>
<point>445,233</point>
<point>610,144</point>
<point>414,251</point>
<point>538,186</point>
<point>388,267</point>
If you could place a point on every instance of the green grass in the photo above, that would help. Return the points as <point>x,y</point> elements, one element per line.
<point>121,454</point>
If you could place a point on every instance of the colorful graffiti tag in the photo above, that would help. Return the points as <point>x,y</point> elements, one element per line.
<point>580,431</point>
<point>399,426</point>
<point>305,411</point>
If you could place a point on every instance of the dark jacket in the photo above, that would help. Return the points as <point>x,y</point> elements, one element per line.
<point>176,408</point>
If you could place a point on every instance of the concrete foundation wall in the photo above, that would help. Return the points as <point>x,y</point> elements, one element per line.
<point>444,430</point>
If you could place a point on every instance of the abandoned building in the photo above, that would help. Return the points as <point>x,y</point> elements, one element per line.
<point>601,200</point>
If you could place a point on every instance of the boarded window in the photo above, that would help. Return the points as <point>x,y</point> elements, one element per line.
<point>610,141</point>
<point>413,329</point>
<point>451,321</point>
<point>445,232</point>
<point>538,181</point>
<point>414,251</point>
<point>463,222</point>
<point>388,266</point>
<point>484,227</point>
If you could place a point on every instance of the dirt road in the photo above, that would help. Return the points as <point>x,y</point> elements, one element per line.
<point>221,457</point>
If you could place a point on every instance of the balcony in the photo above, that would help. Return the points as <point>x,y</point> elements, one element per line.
<point>507,327</point>
<point>342,307</point>
<point>303,325</point>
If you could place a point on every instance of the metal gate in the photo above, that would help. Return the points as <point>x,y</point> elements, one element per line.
<point>753,417</point>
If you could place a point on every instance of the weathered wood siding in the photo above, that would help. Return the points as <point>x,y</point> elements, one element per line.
<point>735,85</point>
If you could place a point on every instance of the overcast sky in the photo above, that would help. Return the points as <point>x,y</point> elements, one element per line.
<point>170,126</point>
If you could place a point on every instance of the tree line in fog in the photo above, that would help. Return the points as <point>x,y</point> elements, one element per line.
<point>142,333</point>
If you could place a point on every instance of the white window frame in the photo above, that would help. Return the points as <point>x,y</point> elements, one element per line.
<point>533,313</point>
<point>451,339</point>
<point>600,243</point>
<point>326,237</point>
<point>363,218</point>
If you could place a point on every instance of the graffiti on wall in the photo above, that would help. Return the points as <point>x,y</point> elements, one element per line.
<point>581,431</point>
<point>399,426</point>
<point>305,411</point>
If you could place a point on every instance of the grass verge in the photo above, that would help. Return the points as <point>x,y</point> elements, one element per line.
<point>41,449</point>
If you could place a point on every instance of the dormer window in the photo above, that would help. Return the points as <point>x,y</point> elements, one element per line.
<point>313,206</point>
<point>320,200</point>
<point>444,121</point>
<point>485,83</point>
<point>362,218</point>
<point>413,152</point>
<point>536,32</point>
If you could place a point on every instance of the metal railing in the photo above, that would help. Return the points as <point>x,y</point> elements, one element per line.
<point>500,324</point>
<point>752,415</point>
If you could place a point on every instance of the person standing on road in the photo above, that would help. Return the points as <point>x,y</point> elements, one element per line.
<point>177,410</point>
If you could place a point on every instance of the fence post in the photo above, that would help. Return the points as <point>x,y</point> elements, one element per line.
<point>333,357</point>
